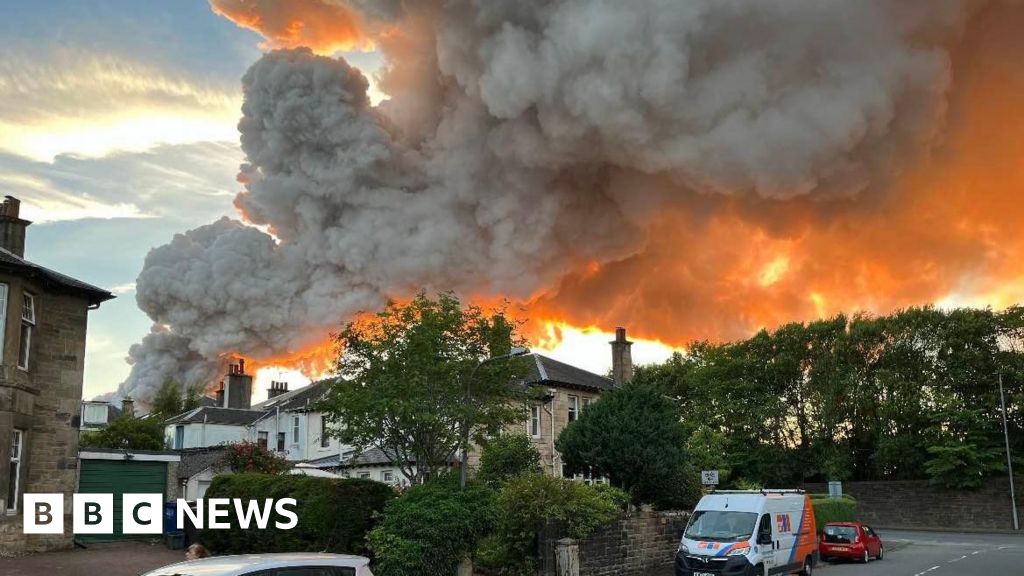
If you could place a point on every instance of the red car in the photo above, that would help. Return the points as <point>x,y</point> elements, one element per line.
<point>851,540</point>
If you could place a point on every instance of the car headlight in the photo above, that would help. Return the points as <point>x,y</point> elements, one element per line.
<point>682,549</point>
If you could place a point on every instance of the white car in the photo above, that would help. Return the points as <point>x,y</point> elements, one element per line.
<point>288,564</point>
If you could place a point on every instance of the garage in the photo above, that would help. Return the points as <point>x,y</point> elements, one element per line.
<point>120,472</point>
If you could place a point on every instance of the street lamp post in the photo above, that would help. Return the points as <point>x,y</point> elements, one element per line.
<point>516,351</point>
<point>1009,459</point>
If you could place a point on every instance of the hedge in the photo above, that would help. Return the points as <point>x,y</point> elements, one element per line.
<point>334,515</point>
<point>833,510</point>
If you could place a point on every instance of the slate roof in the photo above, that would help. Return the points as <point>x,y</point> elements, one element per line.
<point>295,400</point>
<point>551,372</point>
<point>215,415</point>
<point>195,460</point>
<point>51,278</point>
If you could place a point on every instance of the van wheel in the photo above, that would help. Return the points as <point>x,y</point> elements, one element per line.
<point>867,557</point>
<point>808,567</point>
<point>761,570</point>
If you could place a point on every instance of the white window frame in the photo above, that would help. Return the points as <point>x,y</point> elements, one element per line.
<point>535,423</point>
<point>263,439</point>
<point>387,476</point>
<point>573,410</point>
<point>3,318</point>
<point>17,450</point>
<point>364,475</point>
<point>325,440</point>
<point>586,403</point>
<point>179,436</point>
<point>295,430</point>
<point>282,441</point>
<point>100,414</point>
<point>28,324</point>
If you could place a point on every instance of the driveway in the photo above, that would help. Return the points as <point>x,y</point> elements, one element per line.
<point>113,559</point>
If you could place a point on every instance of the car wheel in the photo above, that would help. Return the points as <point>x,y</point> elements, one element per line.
<point>879,557</point>
<point>761,570</point>
<point>867,557</point>
<point>808,567</point>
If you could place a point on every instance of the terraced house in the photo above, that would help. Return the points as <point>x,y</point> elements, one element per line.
<point>43,320</point>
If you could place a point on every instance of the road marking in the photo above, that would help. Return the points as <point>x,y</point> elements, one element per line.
<point>927,571</point>
<point>957,559</point>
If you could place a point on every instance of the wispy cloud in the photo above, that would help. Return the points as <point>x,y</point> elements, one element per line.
<point>85,104</point>
<point>43,202</point>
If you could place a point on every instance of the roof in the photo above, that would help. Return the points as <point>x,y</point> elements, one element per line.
<point>548,371</point>
<point>217,415</point>
<point>245,564</point>
<point>52,278</point>
<point>195,460</point>
<point>295,400</point>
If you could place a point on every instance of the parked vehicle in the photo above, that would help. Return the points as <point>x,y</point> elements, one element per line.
<point>850,540</point>
<point>290,564</point>
<point>749,533</point>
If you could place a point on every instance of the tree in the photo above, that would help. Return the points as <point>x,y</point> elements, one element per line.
<point>634,437</point>
<point>128,432</point>
<point>507,456</point>
<point>403,379</point>
<point>169,401</point>
<point>251,457</point>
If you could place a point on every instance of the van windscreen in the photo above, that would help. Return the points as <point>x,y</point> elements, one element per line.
<point>721,526</point>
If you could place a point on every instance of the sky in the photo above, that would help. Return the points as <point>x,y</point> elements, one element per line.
<point>117,131</point>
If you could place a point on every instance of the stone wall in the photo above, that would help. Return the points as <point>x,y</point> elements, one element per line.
<point>638,544</point>
<point>919,504</point>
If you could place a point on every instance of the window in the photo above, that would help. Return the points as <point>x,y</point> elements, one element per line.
<point>261,439</point>
<point>311,571</point>
<point>201,487</point>
<point>535,421</point>
<point>179,437</point>
<point>95,414</point>
<point>364,475</point>
<point>586,403</point>
<point>3,317</point>
<point>325,440</point>
<point>17,441</point>
<point>387,476</point>
<point>280,441</point>
<point>574,408</point>
<point>28,322</point>
<point>295,430</point>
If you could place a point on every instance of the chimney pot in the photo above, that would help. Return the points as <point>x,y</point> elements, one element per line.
<point>241,365</point>
<point>12,227</point>
<point>622,358</point>
<point>128,406</point>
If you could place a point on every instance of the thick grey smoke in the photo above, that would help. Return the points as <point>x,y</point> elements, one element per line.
<point>510,146</point>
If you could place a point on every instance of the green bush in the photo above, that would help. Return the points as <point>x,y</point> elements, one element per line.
<point>532,503</point>
<point>506,457</point>
<point>833,510</point>
<point>432,527</point>
<point>334,515</point>
<point>678,488</point>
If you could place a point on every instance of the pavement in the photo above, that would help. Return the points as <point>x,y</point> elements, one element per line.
<point>113,559</point>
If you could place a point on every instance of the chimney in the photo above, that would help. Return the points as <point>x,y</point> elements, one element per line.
<point>238,387</point>
<point>220,395</point>
<point>276,389</point>
<point>622,358</point>
<point>12,227</point>
<point>128,407</point>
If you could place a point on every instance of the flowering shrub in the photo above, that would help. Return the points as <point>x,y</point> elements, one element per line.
<point>251,457</point>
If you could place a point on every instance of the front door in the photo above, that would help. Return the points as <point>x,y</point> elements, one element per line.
<point>766,542</point>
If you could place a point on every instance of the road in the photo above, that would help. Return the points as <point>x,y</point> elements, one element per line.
<point>940,554</point>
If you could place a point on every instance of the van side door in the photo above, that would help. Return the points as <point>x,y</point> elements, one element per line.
<point>766,544</point>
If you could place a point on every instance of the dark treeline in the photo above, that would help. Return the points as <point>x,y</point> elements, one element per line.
<point>908,396</point>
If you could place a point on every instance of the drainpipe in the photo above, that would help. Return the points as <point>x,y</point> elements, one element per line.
<point>551,413</point>
<point>202,431</point>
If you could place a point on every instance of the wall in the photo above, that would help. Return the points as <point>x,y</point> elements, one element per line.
<point>310,432</point>
<point>640,544</point>
<point>199,435</point>
<point>44,401</point>
<point>919,504</point>
<point>551,425</point>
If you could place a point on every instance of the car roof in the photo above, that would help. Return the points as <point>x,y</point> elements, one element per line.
<point>245,563</point>
<point>854,524</point>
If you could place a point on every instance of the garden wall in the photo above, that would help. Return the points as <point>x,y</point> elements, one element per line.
<point>638,544</point>
<point>920,504</point>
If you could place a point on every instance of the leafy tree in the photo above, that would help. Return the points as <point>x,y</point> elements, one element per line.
<point>169,401</point>
<point>507,456</point>
<point>634,437</point>
<point>404,375</point>
<point>129,433</point>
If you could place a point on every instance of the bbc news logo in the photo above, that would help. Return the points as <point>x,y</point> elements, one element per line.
<point>143,513</point>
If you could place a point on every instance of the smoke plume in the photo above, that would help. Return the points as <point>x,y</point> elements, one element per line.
<point>695,169</point>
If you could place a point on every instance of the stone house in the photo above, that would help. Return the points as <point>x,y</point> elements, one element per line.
<point>43,320</point>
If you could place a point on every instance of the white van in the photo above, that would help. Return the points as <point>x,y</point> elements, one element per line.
<point>749,533</point>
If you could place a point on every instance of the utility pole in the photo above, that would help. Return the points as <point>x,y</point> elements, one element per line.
<point>1009,460</point>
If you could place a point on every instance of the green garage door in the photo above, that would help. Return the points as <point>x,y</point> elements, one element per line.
<point>118,477</point>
